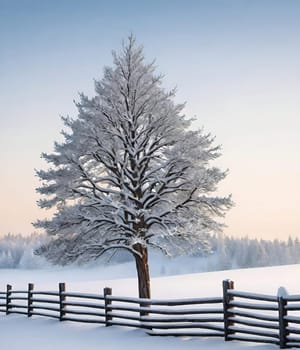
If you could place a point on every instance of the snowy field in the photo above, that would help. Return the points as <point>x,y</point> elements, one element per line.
<point>40,333</point>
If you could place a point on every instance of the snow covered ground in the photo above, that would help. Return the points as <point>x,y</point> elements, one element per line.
<point>41,333</point>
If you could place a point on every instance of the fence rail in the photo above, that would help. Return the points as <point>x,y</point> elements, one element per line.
<point>237,315</point>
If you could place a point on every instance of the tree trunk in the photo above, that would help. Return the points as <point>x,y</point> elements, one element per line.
<point>142,269</point>
<point>143,274</point>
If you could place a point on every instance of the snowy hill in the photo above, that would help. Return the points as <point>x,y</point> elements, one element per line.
<point>39,333</point>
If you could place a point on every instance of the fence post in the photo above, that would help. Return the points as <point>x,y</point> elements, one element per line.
<point>107,304</point>
<point>62,298</point>
<point>8,298</point>
<point>283,332</point>
<point>29,299</point>
<point>227,285</point>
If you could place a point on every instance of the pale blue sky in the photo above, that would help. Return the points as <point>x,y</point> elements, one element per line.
<point>235,63</point>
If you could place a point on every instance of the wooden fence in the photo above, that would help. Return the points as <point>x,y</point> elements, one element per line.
<point>236,315</point>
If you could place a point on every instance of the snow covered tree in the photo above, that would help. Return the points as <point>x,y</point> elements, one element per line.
<point>131,173</point>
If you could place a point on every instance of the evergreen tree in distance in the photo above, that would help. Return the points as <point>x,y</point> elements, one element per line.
<point>130,174</point>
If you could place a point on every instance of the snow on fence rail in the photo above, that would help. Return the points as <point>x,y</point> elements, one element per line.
<point>236,315</point>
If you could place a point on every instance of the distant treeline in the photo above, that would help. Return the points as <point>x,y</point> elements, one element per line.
<point>17,251</point>
<point>232,252</point>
